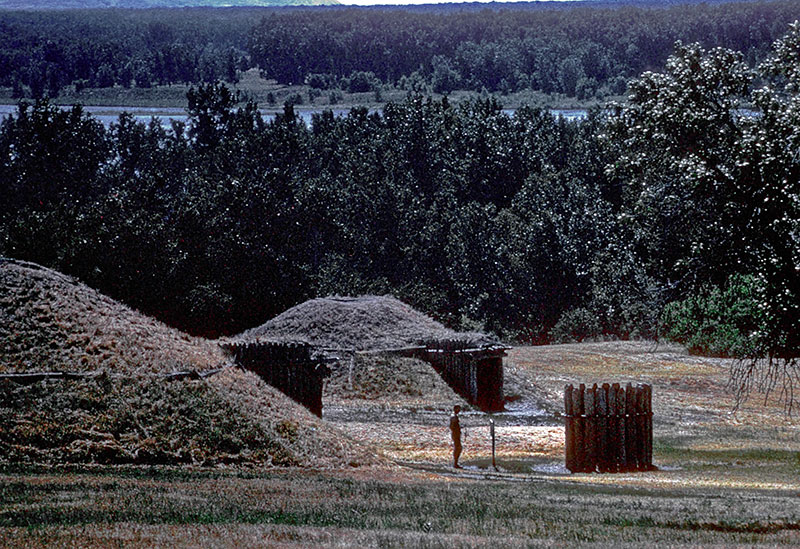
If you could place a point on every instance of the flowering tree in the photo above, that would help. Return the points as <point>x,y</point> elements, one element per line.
<point>712,156</point>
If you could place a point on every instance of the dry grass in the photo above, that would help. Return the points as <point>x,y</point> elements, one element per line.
<point>231,418</point>
<point>50,322</point>
<point>175,508</point>
<point>386,380</point>
<point>366,322</point>
<point>312,442</point>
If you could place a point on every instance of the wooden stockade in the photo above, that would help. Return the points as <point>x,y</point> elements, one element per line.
<point>609,429</point>
<point>295,369</point>
<point>474,372</point>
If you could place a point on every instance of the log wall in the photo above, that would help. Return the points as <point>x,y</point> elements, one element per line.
<point>476,374</point>
<point>609,428</point>
<point>290,368</point>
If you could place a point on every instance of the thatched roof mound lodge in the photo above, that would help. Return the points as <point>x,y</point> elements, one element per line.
<point>365,323</point>
<point>52,321</point>
<point>471,363</point>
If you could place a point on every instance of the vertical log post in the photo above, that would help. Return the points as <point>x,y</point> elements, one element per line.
<point>648,437</point>
<point>641,428</point>
<point>580,431</point>
<point>569,439</point>
<point>619,426</point>
<point>590,434</point>
<point>630,431</point>
<point>602,428</point>
<point>613,433</point>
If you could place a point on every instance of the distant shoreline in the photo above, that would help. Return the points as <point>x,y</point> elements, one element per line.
<point>173,97</point>
<point>108,115</point>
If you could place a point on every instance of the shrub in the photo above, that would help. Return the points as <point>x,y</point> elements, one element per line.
<point>575,326</point>
<point>717,321</point>
<point>320,81</point>
<point>294,99</point>
<point>335,96</point>
<point>361,81</point>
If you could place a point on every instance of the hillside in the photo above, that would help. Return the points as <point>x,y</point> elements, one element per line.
<point>129,413</point>
<point>50,321</point>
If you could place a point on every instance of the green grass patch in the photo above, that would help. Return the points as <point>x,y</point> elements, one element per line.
<point>566,512</point>
<point>270,95</point>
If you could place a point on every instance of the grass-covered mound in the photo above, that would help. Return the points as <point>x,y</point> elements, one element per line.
<point>358,323</point>
<point>365,331</point>
<point>231,418</point>
<point>50,321</point>
<point>388,378</point>
<point>128,412</point>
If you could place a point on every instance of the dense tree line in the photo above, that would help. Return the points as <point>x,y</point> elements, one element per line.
<point>42,52</point>
<point>583,52</point>
<point>463,210</point>
<point>681,202</point>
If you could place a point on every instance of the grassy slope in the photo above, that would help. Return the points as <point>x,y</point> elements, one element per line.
<point>387,381</point>
<point>50,321</point>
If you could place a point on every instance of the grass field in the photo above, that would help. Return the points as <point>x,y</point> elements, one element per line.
<point>105,508</point>
<point>724,479</point>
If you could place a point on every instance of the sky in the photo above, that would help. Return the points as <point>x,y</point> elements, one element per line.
<point>407,2</point>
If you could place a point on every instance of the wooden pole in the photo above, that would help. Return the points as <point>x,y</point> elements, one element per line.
<point>648,403</point>
<point>603,431</point>
<point>581,461</point>
<point>628,422</point>
<point>619,428</point>
<point>491,428</point>
<point>569,442</point>
<point>590,434</point>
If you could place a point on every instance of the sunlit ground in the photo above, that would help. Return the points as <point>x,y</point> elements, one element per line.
<point>723,479</point>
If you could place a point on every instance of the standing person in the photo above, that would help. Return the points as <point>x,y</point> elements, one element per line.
<point>455,432</point>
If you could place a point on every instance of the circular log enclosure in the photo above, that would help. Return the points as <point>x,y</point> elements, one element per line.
<point>609,428</point>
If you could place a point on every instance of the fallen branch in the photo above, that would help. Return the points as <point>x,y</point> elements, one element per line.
<point>26,378</point>
<point>32,377</point>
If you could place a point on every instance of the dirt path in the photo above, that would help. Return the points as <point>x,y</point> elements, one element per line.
<point>698,438</point>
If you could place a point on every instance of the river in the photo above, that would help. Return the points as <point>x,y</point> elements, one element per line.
<point>110,114</point>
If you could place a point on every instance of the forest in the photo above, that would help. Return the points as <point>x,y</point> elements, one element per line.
<point>674,214</point>
<point>582,52</point>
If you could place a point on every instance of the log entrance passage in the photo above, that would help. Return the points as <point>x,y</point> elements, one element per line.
<point>475,373</point>
<point>609,429</point>
<point>295,369</point>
